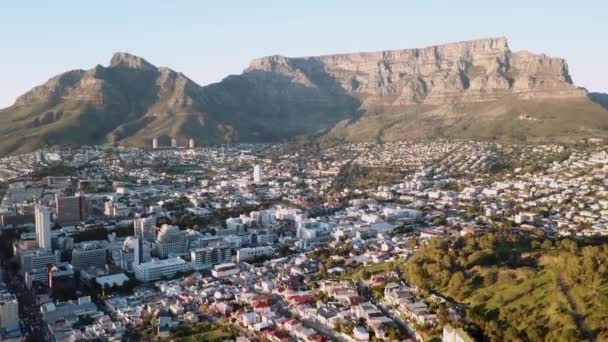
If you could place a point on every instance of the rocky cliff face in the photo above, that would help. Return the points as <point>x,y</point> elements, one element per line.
<point>479,70</point>
<point>476,89</point>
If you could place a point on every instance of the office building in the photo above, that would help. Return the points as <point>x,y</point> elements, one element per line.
<point>257,173</point>
<point>191,143</point>
<point>206,257</point>
<point>173,143</point>
<point>72,209</point>
<point>144,228</point>
<point>43,227</point>
<point>170,240</point>
<point>9,311</point>
<point>34,259</point>
<point>157,269</point>
<point>134,251</point>
<point>155,143</point>
<point>89,255</point>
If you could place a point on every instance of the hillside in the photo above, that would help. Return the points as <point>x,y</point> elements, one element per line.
<point>520,289</point>
<point>476,89</point>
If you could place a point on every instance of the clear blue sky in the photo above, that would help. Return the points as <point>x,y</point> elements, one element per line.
<point>208,40</point>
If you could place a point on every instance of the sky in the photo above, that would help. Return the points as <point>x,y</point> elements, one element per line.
<point>208,40</point>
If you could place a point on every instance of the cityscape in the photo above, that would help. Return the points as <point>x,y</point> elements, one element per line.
<point>285,242</point>
<point>303,171</point>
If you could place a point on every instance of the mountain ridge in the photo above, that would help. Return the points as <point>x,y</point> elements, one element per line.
<point>468,89</point>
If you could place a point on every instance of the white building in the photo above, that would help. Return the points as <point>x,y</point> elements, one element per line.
<point>257,173</point>
<point>173,143</point>
<point>144,228</point>
<point>155,143</point>
<point>9,311</point>
<point>191,143</point>
<point>225,270</point>
<point>134,251</point>
<point>89,255</point>
<point>244,254</point>
<point>170,240</point>
<point>43,227</point>
<point>35,259</point>
<point>206,257</point>
<point>156,269</point>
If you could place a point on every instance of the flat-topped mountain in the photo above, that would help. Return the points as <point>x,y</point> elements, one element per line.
<point>476,89</point>
<point>472,71</point>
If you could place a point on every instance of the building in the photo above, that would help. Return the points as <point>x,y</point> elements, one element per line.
<point>207,257</point>
<point>10,220</point>
<point>225,270</point>
<point>134,251</point>
<point>170,240</point>
<point>155,143</point>
<point>9,311</point>
<point>113,209</point>
<point>245,254</point>
<point>72,209</point>
<point>311,233</point>
<point>58,318</point>
<point>145,229</point>
<point>89,255</point>
<point>451,334</point>
<point>36,259</point>
<point>191,143</point>
<point>157,269</point>
<point>43,227</point>
<point>173,143</point>
<point>257,173</point>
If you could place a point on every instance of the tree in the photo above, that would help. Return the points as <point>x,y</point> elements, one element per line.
<point>338,326</point>
<point>394,334</point>
<point>547,244</point>
<point>457,282</point>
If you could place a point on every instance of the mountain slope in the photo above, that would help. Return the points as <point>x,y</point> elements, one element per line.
<point>476,89</point>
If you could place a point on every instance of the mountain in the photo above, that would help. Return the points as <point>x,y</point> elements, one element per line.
<point>476,89</point>
<point>599,98</point>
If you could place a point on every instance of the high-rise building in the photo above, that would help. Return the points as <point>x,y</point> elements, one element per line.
<point>9,311</point>
<point>72,209</point>
<point>257,173</point>
<point>144,228</point>
<point>170,240</point>
<point>89,255</point>
<point>134,252</point>
<point>155,143</point>
<point>43,227</point>
<point>173,143</point>
<point>191,143</point>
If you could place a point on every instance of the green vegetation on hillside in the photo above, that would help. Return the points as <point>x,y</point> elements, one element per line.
<point>516,288</point>
<point>355,176</point>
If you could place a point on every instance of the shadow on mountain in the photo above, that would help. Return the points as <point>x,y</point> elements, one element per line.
<point>599,98</point>
<point>270,106</point>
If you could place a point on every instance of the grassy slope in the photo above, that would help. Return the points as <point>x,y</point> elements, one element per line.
<point>529,298</point>
<point>564,120</point>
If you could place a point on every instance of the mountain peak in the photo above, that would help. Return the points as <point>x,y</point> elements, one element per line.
<point>127,60</point>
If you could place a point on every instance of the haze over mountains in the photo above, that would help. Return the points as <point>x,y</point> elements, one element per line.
<point>476,89</point>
